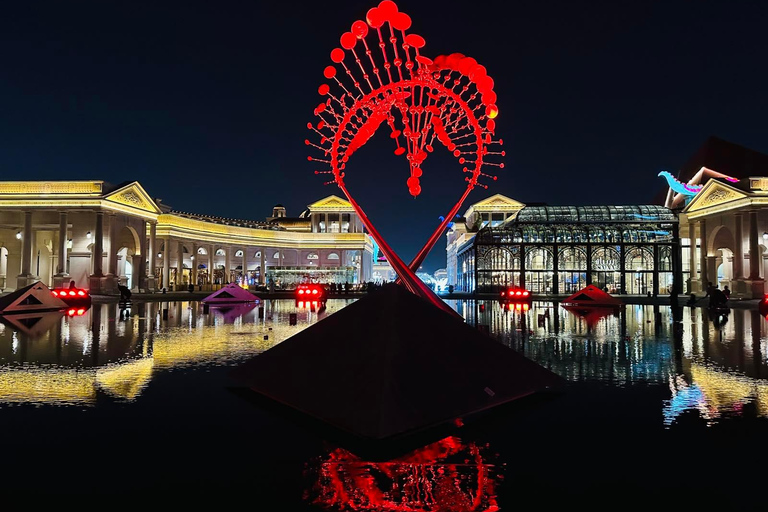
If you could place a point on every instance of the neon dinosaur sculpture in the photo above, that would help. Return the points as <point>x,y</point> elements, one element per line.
<point>687,190</point>
<point>380,78</point>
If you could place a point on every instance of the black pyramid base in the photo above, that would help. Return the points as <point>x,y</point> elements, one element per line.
<point>389,366</point>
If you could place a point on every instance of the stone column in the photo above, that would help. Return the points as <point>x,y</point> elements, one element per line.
<point>738,250</point>
<point>152,256</point>
<point>755,259</point>
<point>227,263</point>
<point>61,268</point>
<point>26,278</point>
<point>211,256</point>
<point>140,264</point>
<point>152,248</point>
<point>692,256</point>
<point>167,263</point>
<point>263,267</point>
<point>179,265</point>
<point>245,265</point>
<point>113,248</point>
<point>361,269</point>
<point>98,246</point>
<point>704,276</point>
<point>193,266</point>
<point>26,245</point>
<point>754,248</point>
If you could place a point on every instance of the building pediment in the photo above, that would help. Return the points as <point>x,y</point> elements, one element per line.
<point>332,203</point>
<point>714,194</point>
<point>133,195</point>
<point>497,202</point>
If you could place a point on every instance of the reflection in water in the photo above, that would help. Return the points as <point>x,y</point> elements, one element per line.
<point>447,475</point>
<point>115,349</point>
<point>714,365</point>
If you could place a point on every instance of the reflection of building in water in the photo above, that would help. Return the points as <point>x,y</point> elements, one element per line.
<point>561,249</point>
<point>108,351</point>
<point>98,234</point>
<point>716,393</point>
<point>632,345</point>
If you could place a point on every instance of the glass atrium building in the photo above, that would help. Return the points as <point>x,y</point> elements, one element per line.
<point>557,250</point>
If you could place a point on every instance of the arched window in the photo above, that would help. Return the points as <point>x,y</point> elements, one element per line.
<point>572,258</point>
<point>201,250</point>
<point>257,255</point>
<point>276,255</point>
<point>312,256</point>
<point>638,259</point>
<point>665,258</point>
<point>238,254</point>
<point>605,258</point>
<point>333,256</point>
<point>538,258</point>
<point>220,252</point>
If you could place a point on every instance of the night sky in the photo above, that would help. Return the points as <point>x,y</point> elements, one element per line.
<point>206,103</point>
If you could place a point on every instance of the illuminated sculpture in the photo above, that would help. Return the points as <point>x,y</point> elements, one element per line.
<point>679,191</point>
<point>378,77</point>
<point>379,378</point>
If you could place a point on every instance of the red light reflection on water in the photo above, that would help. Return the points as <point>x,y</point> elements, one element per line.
<point>446,476</point>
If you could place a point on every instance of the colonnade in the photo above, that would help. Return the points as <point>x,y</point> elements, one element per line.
<point>750,284</point>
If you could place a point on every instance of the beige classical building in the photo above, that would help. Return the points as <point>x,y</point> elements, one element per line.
<point>724,226</point>
<point>728,223</point>
<point>99,235</point>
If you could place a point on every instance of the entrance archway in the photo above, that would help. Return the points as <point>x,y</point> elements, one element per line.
<point>128,254</point>
<point>724,264</point>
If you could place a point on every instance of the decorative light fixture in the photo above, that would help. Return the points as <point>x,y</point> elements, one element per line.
<point>88,235</point>
<point>192,258</point>
<point>159,255</point>
<point>18,235</point>
<point>765,235</point>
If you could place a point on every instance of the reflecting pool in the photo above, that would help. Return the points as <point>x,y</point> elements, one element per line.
<point>661,408</point>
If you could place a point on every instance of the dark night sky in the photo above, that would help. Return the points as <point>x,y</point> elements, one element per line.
<point>206,103</point>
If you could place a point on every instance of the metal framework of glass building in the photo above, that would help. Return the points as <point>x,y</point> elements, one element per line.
<point>554,250</point>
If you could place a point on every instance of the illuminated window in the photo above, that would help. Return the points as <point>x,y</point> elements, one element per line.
<point>333,256</point>
<point>257,255</point>
<point>276,255</point>
<point>312,256</point>
<point>220,252</point>
<point>238,254</point>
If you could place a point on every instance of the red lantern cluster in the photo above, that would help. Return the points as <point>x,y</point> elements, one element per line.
<point>72,296</point>
<point>311,293</point>
<point>515,294</point>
